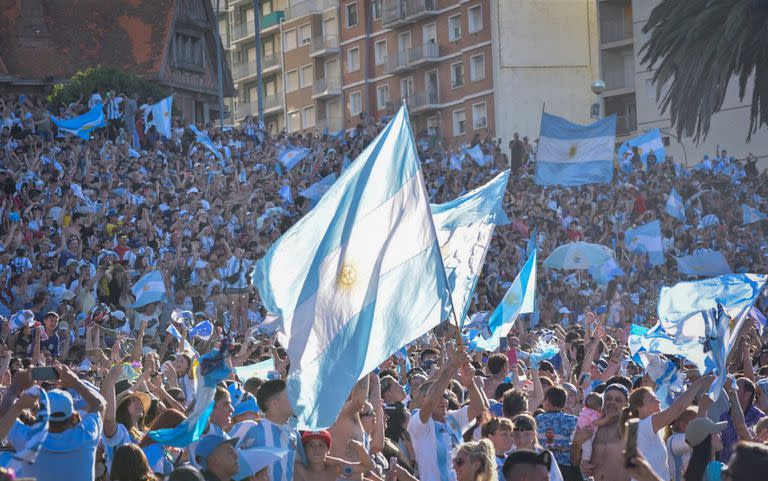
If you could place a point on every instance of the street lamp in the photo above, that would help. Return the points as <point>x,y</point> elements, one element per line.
<point>598,87</point>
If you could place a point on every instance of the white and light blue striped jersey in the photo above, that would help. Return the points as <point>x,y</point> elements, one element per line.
<point>268,434</point>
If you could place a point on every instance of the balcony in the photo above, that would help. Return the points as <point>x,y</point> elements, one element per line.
<point>324,45</point>
<point>243,71</point>
<point>332,124</point>
<point>308,7</point>
<point>412,58</point>
<point>245,30</point>
<point>422,102</point>
<point>397,13</point>
<point>326,87</point>
<point>272,103</point>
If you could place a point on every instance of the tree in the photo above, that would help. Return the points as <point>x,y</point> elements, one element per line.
<point>103,78</point>
<point>699,46</point>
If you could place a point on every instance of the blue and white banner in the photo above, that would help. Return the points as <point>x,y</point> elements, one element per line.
<point>203,139</point>
<point>464,229</point>
<point>675,206</point>
<point>260,370</point>
<point>317,190</point>
<point>707,263</point>
<point>646,143</point>
<point>84,124</point>
<point>161,117</point>
<point>646,239</point>
<point>570,154</point>
<point>358,277</point>
<point>476,154</point>
<point>606,272</point>
<point>292,156</point>
<point>751,215</point>
<point>150,288</point>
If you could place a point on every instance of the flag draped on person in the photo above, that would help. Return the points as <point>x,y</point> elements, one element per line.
<point>83,125</point>
<point>148,289</point>
<point>646,239</point>
<point>161,117</point>
<point>675,206</point>
<point>570,154</point>
<point>519,299</point>
<point>645,143</point>
<point>706,263</point>
<point>291,156</point>
<point>357,278</point>
<point>464,229</point>
<point>751,215</point>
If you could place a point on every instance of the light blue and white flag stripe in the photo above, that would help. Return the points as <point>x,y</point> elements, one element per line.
<point>203,330</point>
<point>161,117</point>
<point>476,154</point>
<point>706,263</point>
<point>604,273</point>
<point>83,124</point>
<point>708,220</point>
<point>464,229</point>
<point>358,277</point>
<point>645,143</point>
<point>38,433</point>
<point>455,162</point>
<point>203,139</point>
<point>292,156</point>
<point>751,215</point>
<point>519,299</point>
<point>666,376</point>
<point>570,154</point>
<point>642,339</point>
<point>646,239</point>
<point>317,190</point>
<point>679,302</point>
<point>675,206</point>
<point>260,370</point>
<point>150,288</point>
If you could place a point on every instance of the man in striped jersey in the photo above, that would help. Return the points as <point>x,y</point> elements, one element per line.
<point>114,116</point>
<point>273,430</point>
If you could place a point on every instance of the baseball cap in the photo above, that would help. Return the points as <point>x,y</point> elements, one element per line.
<point>61,405</point>
<point>324,436</point>
<point>699,428</point>
<point>208,445</point>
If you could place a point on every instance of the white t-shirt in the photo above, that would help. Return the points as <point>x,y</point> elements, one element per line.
<point>651,446</point>
<point>434,443</point>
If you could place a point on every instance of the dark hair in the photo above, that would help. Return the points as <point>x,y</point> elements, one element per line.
<point>496,363</point>
<point>429,352</point>
<point>700,457</point>
<point>129,463</point>
<point>252,385</point>
<point>513,403</point>
<point>556,396</point>
<point>495,424</point>
<point>501,389</point>
<point>396,416</point>
<point>748,458</point>
<point>123,416</point>
<point>267,391</point>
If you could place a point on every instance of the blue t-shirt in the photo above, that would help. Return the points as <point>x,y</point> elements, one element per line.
<point>554,432</point>
<point>66,456</point>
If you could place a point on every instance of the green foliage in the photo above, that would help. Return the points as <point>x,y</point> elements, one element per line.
<point>697,48</point>
<point>103,78</point>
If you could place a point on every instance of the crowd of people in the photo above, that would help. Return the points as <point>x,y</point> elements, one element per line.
<point>81,221</point>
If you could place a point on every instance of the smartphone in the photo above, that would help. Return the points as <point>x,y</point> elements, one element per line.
<point>44,374</point>
<point>630,441</point>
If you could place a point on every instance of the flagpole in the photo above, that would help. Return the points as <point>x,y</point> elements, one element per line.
<point>219,72</point>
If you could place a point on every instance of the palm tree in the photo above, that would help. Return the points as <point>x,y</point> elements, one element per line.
<point>698,46</point>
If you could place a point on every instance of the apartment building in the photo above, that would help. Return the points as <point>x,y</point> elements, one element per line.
<point>631,93</point>
<point>433,54</point>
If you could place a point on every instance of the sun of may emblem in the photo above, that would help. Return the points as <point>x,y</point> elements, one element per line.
<point>577,259</point>
<point>572,151</point>
<point>347,276</point>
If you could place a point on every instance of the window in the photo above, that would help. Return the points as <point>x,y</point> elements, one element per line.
<point>382,97</point>
<point>459,122</point>
<point>305,34</point>
<point>380,52</point>
<point>406,87</point>
<point>429,33</point>
<point>479,116</point>
<point>475,19</point>
<point>294,121</point>
<point>189,50</point>
<point>291,80</point>
<point>650,89</point>
<point>266,8</point>
<point>477,67</point>
<point>454,28</point>
<point>353,59</point>
<point>355,103</point>
<point>289,40</point>
<point>457,74</point>
<point>307,117</point>
<point>352,15</point>
<point>376,10</point>
<point>306,74</point>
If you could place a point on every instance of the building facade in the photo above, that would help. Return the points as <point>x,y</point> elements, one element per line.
<point>631,93</point>
<point>325,63</point>
<point>170,42</point>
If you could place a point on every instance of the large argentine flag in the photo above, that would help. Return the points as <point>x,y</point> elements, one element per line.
<point>649,141</point>
<point>292,156</point>
<point>464,230</point>
<point>707,263</point>
<point>646,239</point>
<point>357,278</point>
<point>161,117</point>
<point>571,154</point>
<point>150,288</point>
<point>84,124</point>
